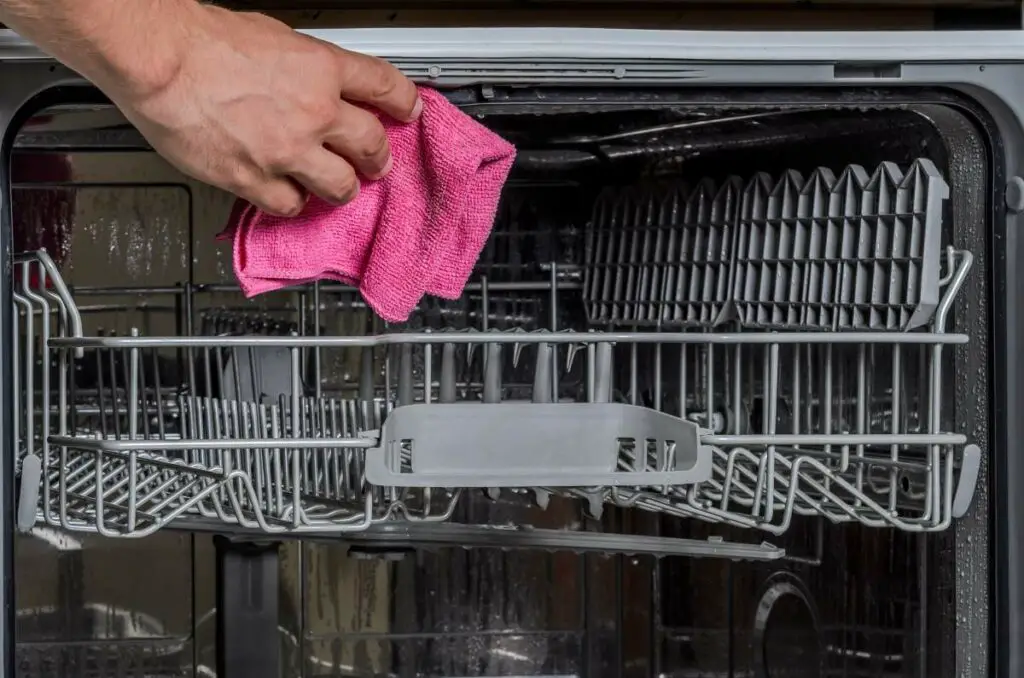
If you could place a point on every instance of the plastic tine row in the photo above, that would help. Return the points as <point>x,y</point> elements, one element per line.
<point>853,251</point>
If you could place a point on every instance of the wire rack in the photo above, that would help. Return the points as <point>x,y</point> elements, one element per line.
<point>231,429</point>
<point>845,426</point>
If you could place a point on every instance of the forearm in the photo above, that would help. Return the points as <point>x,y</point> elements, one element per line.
<point>134,45</point>
<point>238,100</point>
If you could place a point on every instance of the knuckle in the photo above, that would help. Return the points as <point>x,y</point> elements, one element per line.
<point>347,64</point>
<point>395,89</point>
<point>323,113</point>
<point>237,178</point>
<point>280,157</point>
<point>387,83</point>
<point>282,149</point>
<point>374,147</point>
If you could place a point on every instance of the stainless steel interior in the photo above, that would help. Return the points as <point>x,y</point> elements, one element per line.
<point>857,592</point>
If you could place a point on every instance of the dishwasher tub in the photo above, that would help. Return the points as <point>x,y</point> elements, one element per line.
<point>741,307</point>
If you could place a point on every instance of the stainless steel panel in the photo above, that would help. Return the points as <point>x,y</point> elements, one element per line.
<point>445,613</point>
<point>96,607</point>
<point>87,607</point>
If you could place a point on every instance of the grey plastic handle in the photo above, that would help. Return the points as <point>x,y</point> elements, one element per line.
<point>28,496</point>
<point>970,468</point>
<point>522,444</point>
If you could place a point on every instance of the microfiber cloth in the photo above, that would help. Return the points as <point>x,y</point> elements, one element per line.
<point>417,231</point>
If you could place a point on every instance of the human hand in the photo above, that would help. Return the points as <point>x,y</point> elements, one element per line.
<point>251,106</point>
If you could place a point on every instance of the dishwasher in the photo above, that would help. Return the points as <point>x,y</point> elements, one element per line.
<point>730,393</point>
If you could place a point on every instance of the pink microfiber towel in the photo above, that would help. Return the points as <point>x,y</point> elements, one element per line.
<point>417,231</point>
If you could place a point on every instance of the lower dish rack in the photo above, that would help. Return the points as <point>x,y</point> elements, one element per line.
<point>743,428</point>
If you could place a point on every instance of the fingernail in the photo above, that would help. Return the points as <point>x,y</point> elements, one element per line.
<point>376,176</point>
<point>417,110</point>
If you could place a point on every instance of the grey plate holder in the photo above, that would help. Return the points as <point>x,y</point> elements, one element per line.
<point>858,251</point>
<point>522,444</point>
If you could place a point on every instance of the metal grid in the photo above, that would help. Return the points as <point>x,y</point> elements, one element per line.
<point>795,423</point>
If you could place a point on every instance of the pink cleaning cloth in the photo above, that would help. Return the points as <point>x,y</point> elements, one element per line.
<point>417,231</point>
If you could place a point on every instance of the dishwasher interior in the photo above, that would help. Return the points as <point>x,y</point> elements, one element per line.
<point>785,294</point>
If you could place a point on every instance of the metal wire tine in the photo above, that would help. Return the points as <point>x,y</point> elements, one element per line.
<point>132,382</point>
<point>280,464</point>
<point>603,373</point>
<point>367,383</point>
<point>517,350</point>
<point>243,458</point>
<point>570,356</point>
<point>133,432</point>
<point>159,397</point>
<point>143,404</point>
<point>325,484</point>
<point>63,429</point>
<point>220,374</point>
<point>542,389</point>
<point>233,431</point>
<point>235,488</point>
<point>428,373</point>
<point>123,390</point>
<point>187,422</point>
<point>657,378</point>
<point>308,428</point>
<point>349,412</point>
<point>296,423</point>
<point>284,428</point>
<point>191,428</point>
<point>492,374</point>
<point>339,459</point>
<point>265,460</point>
<point>215,412</point>
<point>257,461</point>
<point>202,427</point>
<point>406,395</point>
<point>771,419</point>
<point>98,498</point>
<point>208,388</point>
<point>446,392</point>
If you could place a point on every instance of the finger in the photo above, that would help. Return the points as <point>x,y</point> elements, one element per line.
<point>327,175</point>
<point>358,136</point>
<point>280,197</point>
<point>373,81</point>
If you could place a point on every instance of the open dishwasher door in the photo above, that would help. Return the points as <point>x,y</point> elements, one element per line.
<point>758,289</point>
